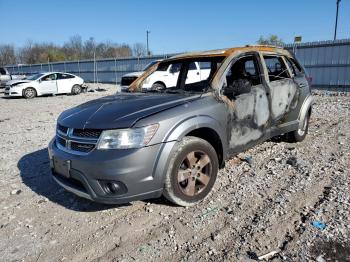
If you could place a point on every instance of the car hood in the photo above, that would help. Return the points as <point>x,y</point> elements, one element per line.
<point>18,81</point>
<point>136,74</point>
<point>120,111</point>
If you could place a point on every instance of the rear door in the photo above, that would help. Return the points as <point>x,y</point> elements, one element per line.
<point>284,91</point>
<point>48,84</point>
<point>65,83</point>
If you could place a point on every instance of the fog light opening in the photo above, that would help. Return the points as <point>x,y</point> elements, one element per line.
<point>113,187</point>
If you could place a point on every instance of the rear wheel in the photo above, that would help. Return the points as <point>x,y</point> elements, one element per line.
<point>300,134</point>
<point>192,172</point>
<point>76,90</point>
<point>29,93</point>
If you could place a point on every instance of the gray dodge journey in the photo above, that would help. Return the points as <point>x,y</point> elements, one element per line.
<point>171,138</point>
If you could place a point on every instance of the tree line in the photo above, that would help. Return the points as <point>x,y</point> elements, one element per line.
<point>77,49</point>
<point>73,49</point>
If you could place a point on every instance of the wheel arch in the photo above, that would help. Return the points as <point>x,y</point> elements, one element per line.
<point>159,82</point>
<point>204,127</point>
<point>305,109</point>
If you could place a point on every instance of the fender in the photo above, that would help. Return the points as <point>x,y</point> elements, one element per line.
<point>307,104</point>
<point>176,134</point>
<point>195,122</point>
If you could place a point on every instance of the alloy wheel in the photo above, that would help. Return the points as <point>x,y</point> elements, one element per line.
<point>194,173</point>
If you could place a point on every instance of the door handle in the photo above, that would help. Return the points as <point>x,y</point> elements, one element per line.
<point>197,73</point>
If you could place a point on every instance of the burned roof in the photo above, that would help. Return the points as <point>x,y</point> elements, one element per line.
<point>229,51</point>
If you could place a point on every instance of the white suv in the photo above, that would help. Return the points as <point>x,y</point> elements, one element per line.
<point>166,76</point>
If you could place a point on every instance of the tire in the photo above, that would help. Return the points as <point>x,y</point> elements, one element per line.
<point>29,93</point>
<point>300,134</point>
<point>76,90</point>
<point>158,86</point>
<point>187,181</point>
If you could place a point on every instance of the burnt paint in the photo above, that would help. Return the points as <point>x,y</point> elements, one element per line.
<point>248,118</point>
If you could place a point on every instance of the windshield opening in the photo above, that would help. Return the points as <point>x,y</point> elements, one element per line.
<point>34,77</point>
<point>182,75</point>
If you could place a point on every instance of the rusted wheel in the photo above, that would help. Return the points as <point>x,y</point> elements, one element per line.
<point>192,172</point>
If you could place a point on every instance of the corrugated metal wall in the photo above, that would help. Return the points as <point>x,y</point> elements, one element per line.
<point>327,62</point>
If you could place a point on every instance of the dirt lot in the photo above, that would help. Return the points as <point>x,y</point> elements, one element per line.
<point>266,200</point>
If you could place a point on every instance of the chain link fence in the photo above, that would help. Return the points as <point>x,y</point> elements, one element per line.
<point>327,62</point>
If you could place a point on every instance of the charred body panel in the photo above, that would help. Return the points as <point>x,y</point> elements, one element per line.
<point>284,97</point>
<point>250,117</point>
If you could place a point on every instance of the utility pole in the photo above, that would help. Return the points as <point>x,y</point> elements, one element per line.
<point>336,21</point>
<point>147,33</point>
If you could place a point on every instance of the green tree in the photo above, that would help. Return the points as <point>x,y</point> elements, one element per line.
<point>270,40</point>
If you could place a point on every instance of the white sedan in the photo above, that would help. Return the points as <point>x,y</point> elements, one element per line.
<point>44,84</point>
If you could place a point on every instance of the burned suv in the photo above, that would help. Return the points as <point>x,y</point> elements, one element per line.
<point>172,141</point>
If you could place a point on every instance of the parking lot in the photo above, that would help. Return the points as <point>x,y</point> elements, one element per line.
<point>274,198</point>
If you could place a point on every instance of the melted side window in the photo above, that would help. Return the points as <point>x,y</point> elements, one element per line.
<point>276,68</point>
<point>242,76</point>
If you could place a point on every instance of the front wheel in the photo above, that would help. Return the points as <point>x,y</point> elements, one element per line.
<point>29,93</point>
<point>192,172</point>
<point>76,90</point>
<point>158,86</point>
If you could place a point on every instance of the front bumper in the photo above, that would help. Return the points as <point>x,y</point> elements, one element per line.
<point>12,91</point>
<point>139,172</point>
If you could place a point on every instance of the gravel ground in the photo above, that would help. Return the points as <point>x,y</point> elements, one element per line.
<point>274,199</point>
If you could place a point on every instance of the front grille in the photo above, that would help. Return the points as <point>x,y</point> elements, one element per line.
<point>61,141</point>
<point>127,80</point>
<point>61,128</point>
<point>82,147</point>
<point>77,141</point>
<point>88,133</point>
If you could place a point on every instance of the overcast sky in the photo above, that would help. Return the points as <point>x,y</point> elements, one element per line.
<point>176,26</point>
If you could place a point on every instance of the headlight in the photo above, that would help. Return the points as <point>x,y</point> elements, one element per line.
<point>127,138</point>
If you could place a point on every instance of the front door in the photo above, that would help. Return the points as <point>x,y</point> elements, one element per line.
<point>64,83</point>
<point>170,79</point>
<point>48,84</point>
<point>249,113</point>
<point>193,74</point>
